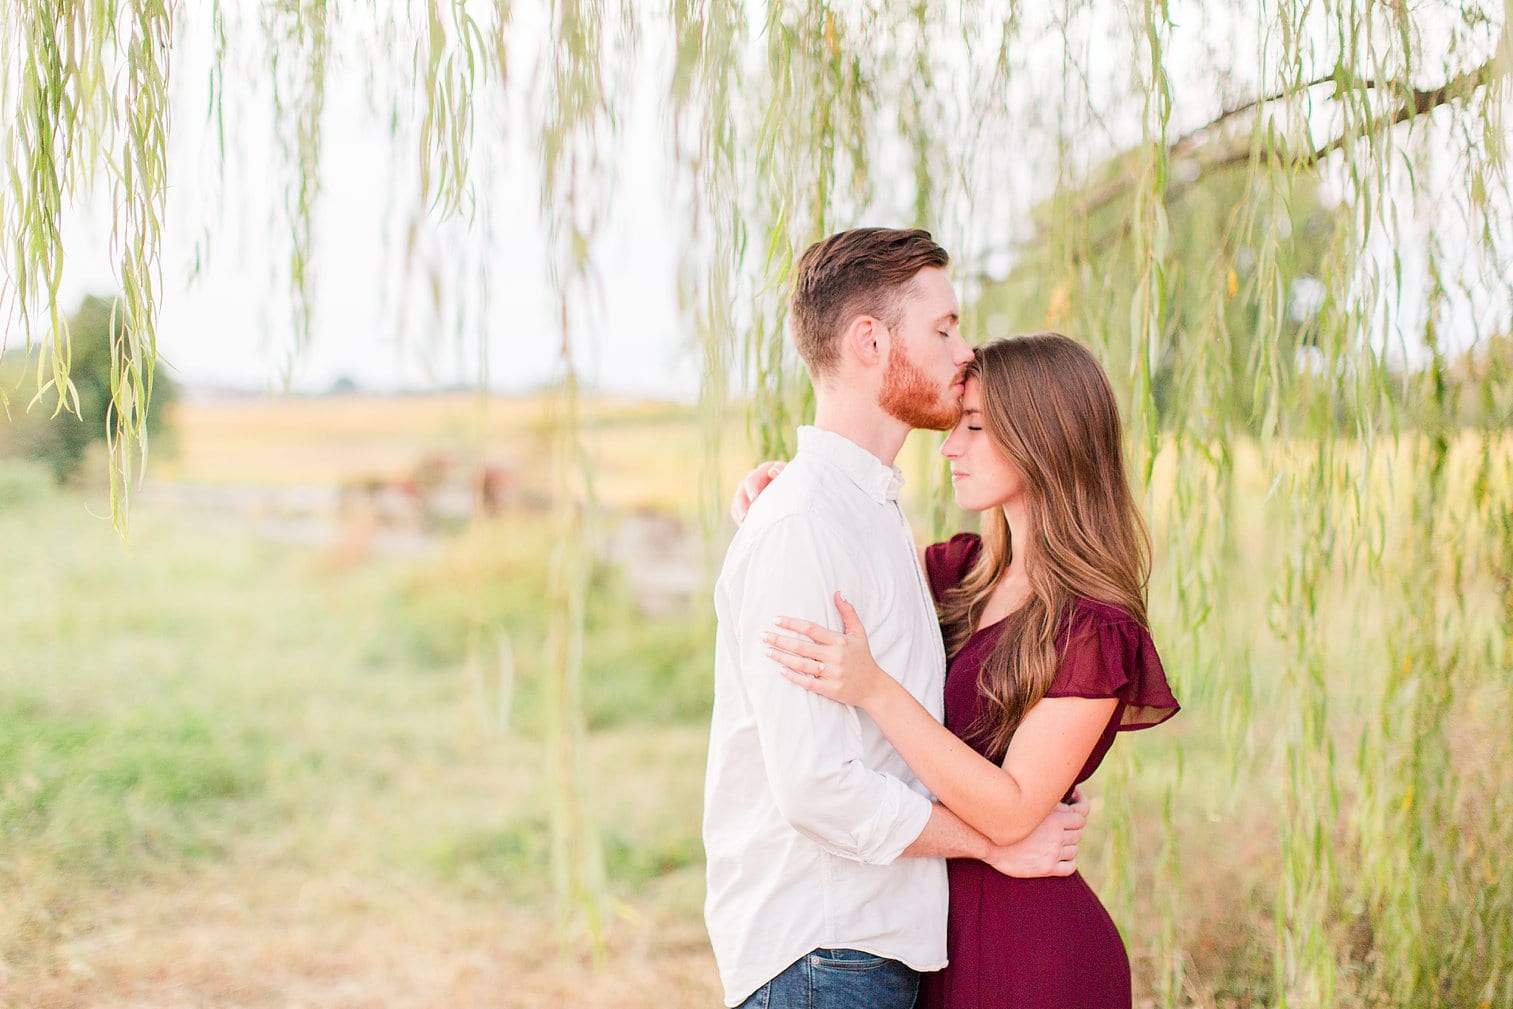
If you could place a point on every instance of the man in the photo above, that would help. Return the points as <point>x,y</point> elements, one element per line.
<point>826,885</point>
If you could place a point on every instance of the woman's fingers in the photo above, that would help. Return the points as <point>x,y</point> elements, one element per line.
<point>751,486</point>
<point>815,632</point>
<point>1080,802</point>
<point>810,668</point>
<point>809,683</point>
<point>795,646</point>
<point>849,619</point>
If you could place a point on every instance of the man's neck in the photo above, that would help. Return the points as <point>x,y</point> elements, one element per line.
<point>863,423</point>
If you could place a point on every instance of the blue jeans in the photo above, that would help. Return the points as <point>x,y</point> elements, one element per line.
<point>839,979</point>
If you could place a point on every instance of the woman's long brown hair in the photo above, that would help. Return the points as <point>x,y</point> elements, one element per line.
<point>1048,407</point>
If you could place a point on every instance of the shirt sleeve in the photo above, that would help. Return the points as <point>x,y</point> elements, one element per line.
<point>812,746</point>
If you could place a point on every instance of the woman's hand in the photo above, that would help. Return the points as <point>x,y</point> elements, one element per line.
<point>1051,848</point>
<point>751,486</point>
<point>834,665</point>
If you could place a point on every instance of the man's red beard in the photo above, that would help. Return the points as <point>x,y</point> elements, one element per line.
<point>911,397</point>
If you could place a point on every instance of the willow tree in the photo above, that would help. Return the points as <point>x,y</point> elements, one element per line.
<point>1284,227</point>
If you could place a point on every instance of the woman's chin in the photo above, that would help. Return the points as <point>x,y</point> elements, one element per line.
<point>969,502</point>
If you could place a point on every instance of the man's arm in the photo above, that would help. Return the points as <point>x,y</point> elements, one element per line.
<point>1049,850</point>
<point>946,835</point>
<point>813,749</point>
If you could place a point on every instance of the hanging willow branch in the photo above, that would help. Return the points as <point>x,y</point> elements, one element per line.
<point>93,93</point>
<point>708,40</point>
<point>141,170</point>
<point>454,55</point>
<point>52,145</point>
<point>581,69</point>
<point>298,33</point>
<point>1245,320</point>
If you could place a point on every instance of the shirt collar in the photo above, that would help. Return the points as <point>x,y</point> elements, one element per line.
<point>881,483</point>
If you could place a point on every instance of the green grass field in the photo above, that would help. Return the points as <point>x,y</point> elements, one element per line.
<point>234,775</point>
<point>241,773</point>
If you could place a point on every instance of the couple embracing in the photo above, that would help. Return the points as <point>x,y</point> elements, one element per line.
<point>898,733</point>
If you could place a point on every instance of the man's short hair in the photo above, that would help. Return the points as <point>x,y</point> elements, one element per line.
<point>864,271</point>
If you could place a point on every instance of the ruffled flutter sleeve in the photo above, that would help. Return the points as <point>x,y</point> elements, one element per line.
<point>1109,654</point>
<point>946,564</point>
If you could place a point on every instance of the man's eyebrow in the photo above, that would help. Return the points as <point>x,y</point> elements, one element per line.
<point>948,317</point>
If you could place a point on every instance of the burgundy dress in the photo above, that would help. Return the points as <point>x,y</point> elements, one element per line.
<point>1040,943</point>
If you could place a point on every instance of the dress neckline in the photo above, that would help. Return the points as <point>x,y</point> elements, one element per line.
<point>997,623</point>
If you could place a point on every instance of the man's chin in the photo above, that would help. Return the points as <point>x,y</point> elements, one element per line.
<point>920,419</point>
<point>920,412</point>
<point>943,419</point>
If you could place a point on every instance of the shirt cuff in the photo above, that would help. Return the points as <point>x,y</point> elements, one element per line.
<point>900,819</point>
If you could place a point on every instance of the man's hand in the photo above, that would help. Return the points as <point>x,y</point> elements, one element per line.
<point>1051,848</point>
<point>751,485</point>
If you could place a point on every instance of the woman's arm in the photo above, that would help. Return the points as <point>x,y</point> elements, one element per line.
<point>1005,803</point>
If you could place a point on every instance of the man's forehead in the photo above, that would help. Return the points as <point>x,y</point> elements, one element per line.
<point>935,295</point>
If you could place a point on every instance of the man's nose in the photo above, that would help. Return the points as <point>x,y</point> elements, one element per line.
<point>963,356</point>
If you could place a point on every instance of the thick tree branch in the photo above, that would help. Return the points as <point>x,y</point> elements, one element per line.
<point>1211,156</point>
<point>1418,103</point>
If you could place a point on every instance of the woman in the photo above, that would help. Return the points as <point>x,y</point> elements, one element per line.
<point>1049,658</point>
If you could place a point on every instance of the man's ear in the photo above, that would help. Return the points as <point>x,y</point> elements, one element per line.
<point>865,336</point>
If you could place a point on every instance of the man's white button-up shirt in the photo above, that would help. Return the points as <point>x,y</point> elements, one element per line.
<point>806,805</point>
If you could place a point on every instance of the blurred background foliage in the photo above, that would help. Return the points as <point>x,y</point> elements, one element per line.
<point>430,673</point>
<point>60,438</point>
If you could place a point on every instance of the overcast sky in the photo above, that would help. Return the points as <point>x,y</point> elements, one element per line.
<point>229,325</point>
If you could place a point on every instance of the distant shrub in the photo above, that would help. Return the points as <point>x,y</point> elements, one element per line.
<point>23,481</point>
<point>60,438</point>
